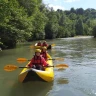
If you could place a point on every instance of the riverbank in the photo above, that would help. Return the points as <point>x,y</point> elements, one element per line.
<point>83,36</point>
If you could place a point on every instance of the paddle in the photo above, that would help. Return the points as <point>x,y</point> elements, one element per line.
<point>61,59</point>
<point>31,46</point>
<point>24,59</point>
<point>53,45</point>
<point>14,67</point>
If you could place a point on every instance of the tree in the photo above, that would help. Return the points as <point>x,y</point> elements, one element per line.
<point>51,28</point>
<point>39,26</point>
<point>15,26</point>
<point>79,27</point>
<point>80,11</point>
<point>62,20</point>
<point>72,10</point>
<point>94,28</point>
<point>94,31</point>
<point>30,5</point>
<point>72,16</point>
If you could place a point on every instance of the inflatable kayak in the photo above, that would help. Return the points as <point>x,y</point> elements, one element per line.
<point>31,74</point>
<point>40,47</point>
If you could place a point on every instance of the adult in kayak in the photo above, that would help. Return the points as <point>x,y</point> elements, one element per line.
<point>38,62</point>
<point>44,53</point>
<point>44,44</point>
<point>39,43</point>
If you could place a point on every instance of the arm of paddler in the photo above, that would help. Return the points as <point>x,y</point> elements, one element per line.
<point>44,63</point>
<point>30,64</point>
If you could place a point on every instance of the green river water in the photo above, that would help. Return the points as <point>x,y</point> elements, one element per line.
<point>77,80</point>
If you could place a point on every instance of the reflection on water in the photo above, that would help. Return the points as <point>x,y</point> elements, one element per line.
<point>61,69</point>
<point>31,89</point>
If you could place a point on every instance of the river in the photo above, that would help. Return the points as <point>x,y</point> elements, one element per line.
<point>77,80</point>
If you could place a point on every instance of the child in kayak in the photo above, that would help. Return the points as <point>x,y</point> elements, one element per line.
<point>44,53</point>
<point>44,44</point>
<point>39,43</point>
<point>37,62</point>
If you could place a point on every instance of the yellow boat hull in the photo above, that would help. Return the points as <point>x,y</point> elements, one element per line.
<point>30,74</point>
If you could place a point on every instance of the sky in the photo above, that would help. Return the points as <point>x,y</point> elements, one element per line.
<point>68,4</point>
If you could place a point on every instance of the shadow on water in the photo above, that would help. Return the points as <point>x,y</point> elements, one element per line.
<point>62,81</point>
<point>31,89</point>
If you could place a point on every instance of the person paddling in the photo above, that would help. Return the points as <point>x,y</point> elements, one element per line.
<point>44,44</point>
<point>39,43</point>
<point>38,62</point>
<point>44,53</point>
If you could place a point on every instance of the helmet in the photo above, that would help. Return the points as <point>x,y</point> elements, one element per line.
<point>38,50</point>
<point>44,41</point>
<point>44,48</point>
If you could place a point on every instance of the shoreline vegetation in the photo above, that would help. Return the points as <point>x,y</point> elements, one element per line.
<point>27,21</point>
<point>22,43</point>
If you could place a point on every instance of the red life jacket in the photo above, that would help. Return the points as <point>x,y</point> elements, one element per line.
<point>44,44</point>
<point>44,55</point>
<point>39,44</point>
<point>37,60</point>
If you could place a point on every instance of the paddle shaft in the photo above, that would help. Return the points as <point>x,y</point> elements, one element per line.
<point>29,67</point>
<point>23,67</point>
<point>51,59</point>
<point>13,67</point>
<point>48,59</point>
<point>30,60</point>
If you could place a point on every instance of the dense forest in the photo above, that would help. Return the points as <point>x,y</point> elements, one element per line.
<point>28,20</point>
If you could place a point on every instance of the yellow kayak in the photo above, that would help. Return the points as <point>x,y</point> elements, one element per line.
<point>31,74</point>
<point>40,47</point>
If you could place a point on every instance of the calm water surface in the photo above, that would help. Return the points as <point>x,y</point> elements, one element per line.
<point>77,80</point>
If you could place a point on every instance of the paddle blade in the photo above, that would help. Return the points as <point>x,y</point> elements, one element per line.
<point>22,59</point>
<point>61,59</point>
<point>62,66</point>
<point>31,46</point>
<point>10,67</point>
<point>53,45</point>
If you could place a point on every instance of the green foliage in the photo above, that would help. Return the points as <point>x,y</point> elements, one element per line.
<point>28,20</point>
<point>79,27</point>
<point>39,26</point>
<point>4,11</point>
<point>51,28</point>
<point>61,32</point>
<point>72,10</point>
<point>80,11</point>
<point>0,43</point>
<point>30,5</point>
<point>94,31</point>
<point>14,26</point>
<point>72,16</point>
<point>94,28</point>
